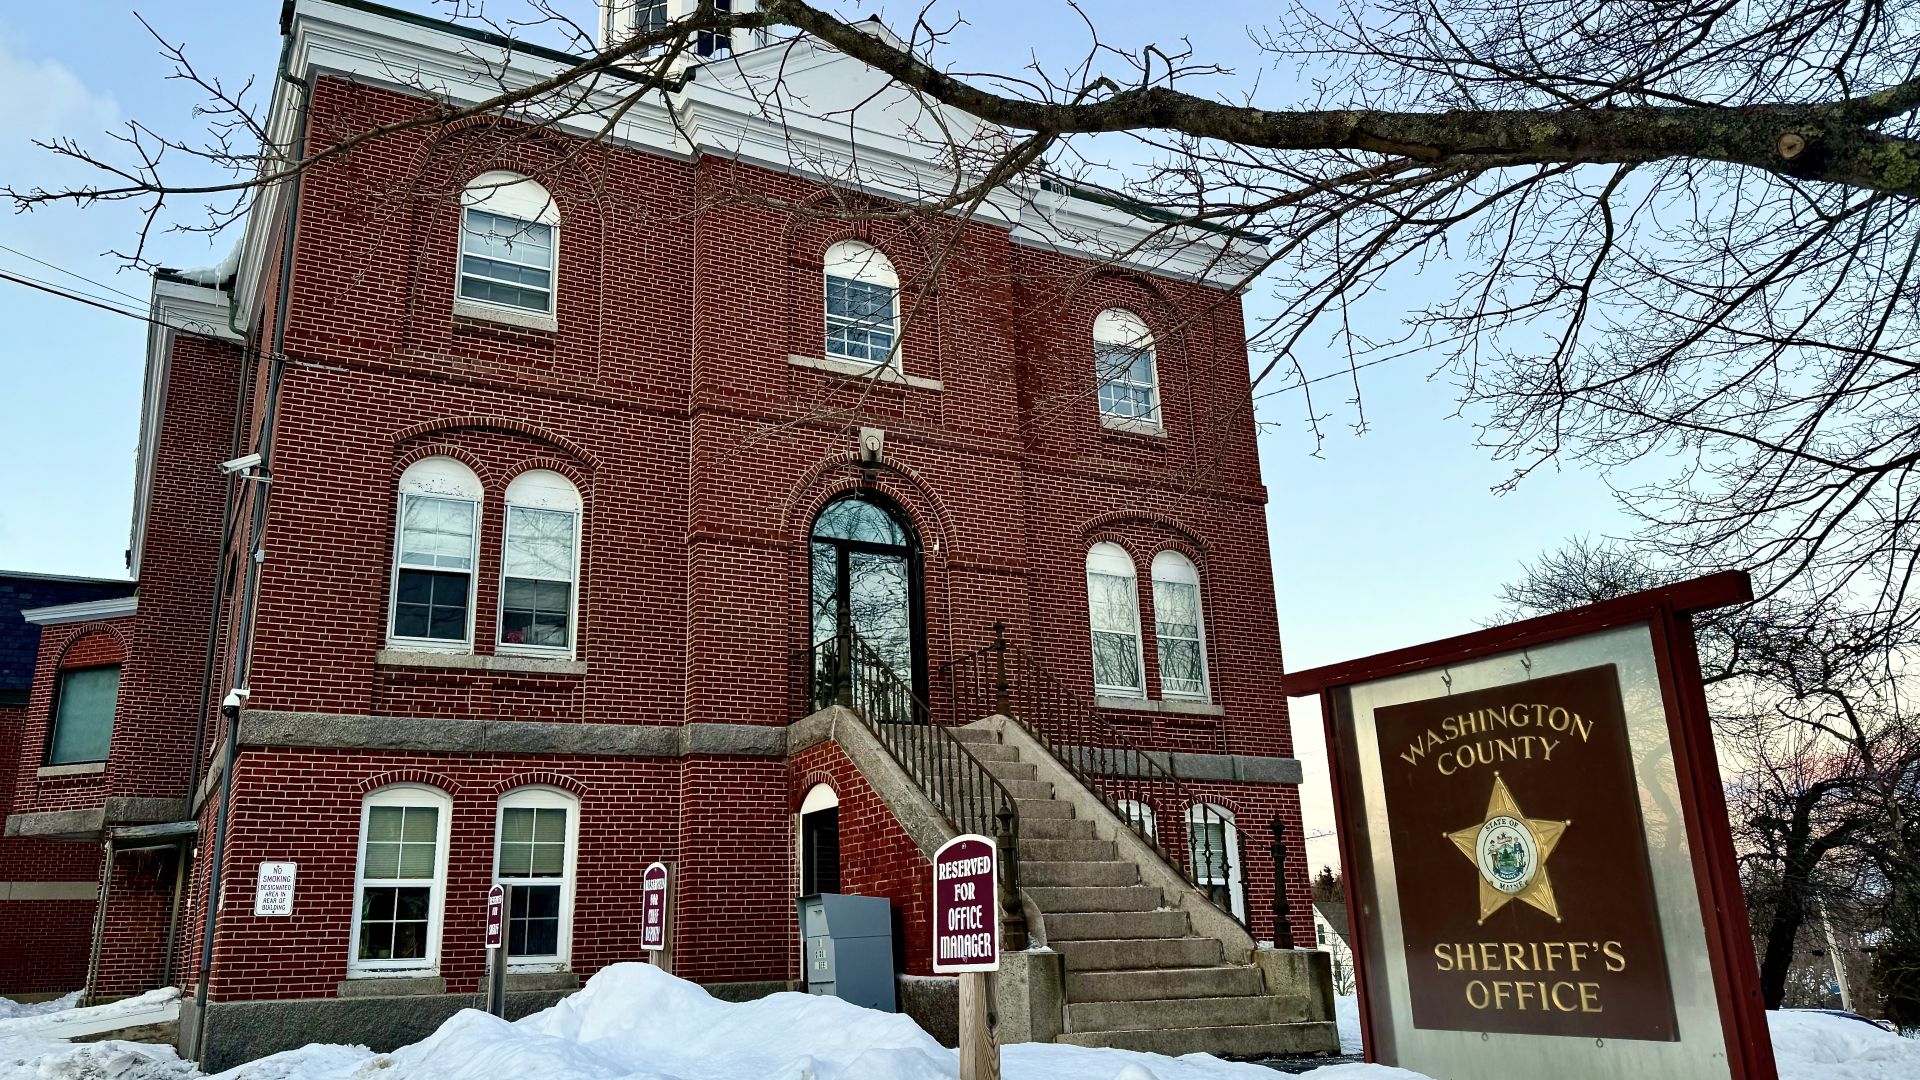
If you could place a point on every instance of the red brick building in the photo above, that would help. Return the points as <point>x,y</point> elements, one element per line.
<point>582,466</point>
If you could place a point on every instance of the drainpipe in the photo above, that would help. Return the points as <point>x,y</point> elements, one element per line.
<point>243,631</point>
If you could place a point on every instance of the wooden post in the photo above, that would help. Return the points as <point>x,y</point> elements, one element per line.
<point>979,1027</point>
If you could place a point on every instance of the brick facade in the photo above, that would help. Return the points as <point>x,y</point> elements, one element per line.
<point>666,395</point>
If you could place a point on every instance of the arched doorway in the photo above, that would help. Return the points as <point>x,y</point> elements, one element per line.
<point>865,569</point>
<point>820,841</point>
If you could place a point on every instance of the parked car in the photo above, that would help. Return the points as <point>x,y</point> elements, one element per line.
<point>1883,1025</point>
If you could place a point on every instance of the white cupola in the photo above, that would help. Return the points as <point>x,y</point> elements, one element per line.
<point>620,20</point>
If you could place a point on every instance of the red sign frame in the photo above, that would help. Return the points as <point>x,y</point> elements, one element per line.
<point>1667,614</point>
<point>966,905</point>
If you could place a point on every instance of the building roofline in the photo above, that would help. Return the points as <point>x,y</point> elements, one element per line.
<point>64,579</point>
<point>117,607</point>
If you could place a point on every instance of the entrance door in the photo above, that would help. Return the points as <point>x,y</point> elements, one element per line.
<point>866,567</point>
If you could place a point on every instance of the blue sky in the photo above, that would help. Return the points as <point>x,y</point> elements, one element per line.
<point>1385,539</point>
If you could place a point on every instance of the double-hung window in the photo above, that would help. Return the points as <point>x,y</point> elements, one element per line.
<point>83,715</point>
<point>537,836</point>
<point>862,304</point>
<point>1213,853</point>
<point>509,234</point>
<point>1129,385</point>
<point>437,545</point>
<point>1177,627</point>
<point>1113,610</point>
<point>540,556</point>
<point>400,880</point>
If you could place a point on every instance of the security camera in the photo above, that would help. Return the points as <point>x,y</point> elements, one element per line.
<point>239,464</point>
<point>230,708</point>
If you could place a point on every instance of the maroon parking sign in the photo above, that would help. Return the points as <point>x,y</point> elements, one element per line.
<point>653,908</point>
<point>496,913</point>
<point>966,906</point>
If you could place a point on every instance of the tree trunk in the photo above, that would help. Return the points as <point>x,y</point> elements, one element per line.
<point>1782,931</point>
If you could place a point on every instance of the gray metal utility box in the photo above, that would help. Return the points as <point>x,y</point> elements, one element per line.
<point>846,946</point>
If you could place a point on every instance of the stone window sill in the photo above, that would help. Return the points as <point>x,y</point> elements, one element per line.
<point>84,768</point>
<point>885,373</point>
<point>538,665</point>
<point>1132,426</point>
<point>524,320</point>
<point>391,986</point>
<point>1168,706</point>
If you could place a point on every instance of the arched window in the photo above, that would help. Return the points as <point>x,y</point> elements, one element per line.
<point>863,304</point>
<point>1140,816</point>
<point>1178,631</point>
<point>820,841</point>
<point>1113,610</point>
<point>539,563</point>
<point>864,562</point>
<point>1124,368</point>
<point>84,700</point>
<point>1213,855</point>
<point>435,548</point>
<point>537,838</point>
<point>509,232</point>
<point>400,880</point>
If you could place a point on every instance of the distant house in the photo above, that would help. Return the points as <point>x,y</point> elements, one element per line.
<point>1331,935</point>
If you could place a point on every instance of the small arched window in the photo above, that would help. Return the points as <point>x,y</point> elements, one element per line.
<point>509,232</point>
<point>862,304</point>
<point>1140,816</point>
<point>1113,611</point>
<point>820,841</point>
<point>400,879</point>
<point>1124,369</point>
<point>434,553</point>
<point>539,563</point>
<point>1213,855</point>
<point>1178,630</point>
<point>84,700</point>
<point>537,839</point>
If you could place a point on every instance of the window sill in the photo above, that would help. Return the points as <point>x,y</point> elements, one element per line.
<point>82,768</point>
<point>885,373</point>
<point>374,984</point>
<point>525,320</point>
<point>1133,426</point>
<point>1177,707</point>
<point>534,978</point>
<point>421,658</point>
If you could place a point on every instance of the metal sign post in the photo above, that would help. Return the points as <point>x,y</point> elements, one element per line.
<point>966,942</point>
<point>497,950</point>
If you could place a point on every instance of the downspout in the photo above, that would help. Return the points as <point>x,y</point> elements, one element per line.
<point>243,632</point>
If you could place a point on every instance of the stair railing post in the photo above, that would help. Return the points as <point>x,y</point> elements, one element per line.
<point>1000,669</point>
<point>1282,909</point>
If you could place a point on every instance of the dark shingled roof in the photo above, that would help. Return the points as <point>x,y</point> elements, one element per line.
<point>19,639</point>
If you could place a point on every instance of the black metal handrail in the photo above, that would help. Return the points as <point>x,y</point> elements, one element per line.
<point>1002,678</point>
<point>844,670</point>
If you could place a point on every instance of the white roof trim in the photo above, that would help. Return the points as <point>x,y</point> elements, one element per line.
<point>719,113</point>
<point>118,607</point>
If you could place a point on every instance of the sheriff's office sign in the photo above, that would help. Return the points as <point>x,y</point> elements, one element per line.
<point>1536,850</point>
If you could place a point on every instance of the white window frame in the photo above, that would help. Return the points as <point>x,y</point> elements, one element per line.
<point>1174,568</point>
<point>541,489</point>
<point>408,795</point>
<point>509,195</point>
<point>1110,557</point>
<point>1197,814</point>
<point>541,798</point>
<point>1124,329</point>
<point>1133,811</point>
<point>437,477</point>
<point>855,260</point>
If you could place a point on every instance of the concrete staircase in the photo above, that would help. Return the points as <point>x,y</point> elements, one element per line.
<point>1138,975</point>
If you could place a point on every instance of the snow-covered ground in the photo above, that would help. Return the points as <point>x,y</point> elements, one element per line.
<point>635,1022</point>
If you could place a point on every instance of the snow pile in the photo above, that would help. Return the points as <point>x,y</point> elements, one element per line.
<point>1816,1046</point>
<point>27,1057</point>
<point>1346,1014</point>
<point>10,1009</point>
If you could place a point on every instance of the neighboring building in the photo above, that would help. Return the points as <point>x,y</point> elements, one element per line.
<point>1331,936</point>
<point>586,469</point>
<point>48,888</point>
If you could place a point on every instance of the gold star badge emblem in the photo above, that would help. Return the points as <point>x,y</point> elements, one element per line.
<point>1510,850</point>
